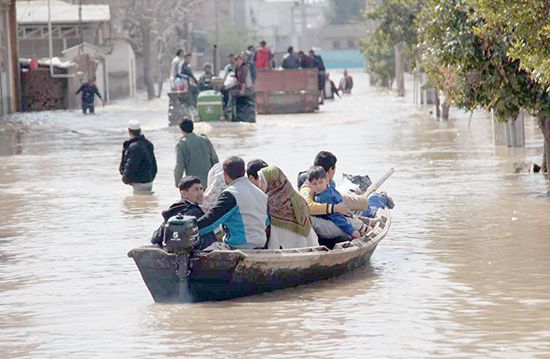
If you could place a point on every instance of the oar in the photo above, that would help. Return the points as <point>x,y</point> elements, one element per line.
<point>373,187</point>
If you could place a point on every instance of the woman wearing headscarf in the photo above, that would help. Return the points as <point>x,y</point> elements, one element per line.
<point>288,211</point>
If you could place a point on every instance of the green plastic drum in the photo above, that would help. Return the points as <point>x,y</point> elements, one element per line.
<point>210,106</point>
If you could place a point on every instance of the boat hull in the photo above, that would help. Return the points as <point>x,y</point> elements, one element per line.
<point>227,274</point>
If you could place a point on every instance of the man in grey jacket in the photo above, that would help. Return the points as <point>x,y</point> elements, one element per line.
<point>241,208</point>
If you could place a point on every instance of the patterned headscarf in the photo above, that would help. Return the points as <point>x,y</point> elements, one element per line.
<point>287,208</point>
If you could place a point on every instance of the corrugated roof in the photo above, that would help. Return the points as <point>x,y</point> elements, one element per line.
<point>36,12</point>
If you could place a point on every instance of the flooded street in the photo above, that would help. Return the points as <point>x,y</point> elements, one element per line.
<point>464,271</point>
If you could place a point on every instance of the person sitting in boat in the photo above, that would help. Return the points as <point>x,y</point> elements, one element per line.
<point>215,186</point>
<point>241,208</point>
<point>192,195</point>
<point>288,211</point>
<point>325,193</point>
<point>324,227</point>
<point>252,169</point>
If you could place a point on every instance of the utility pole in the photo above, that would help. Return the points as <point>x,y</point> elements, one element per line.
<point>81,47</point>
<point>303,17</point>
<point>217,34</point>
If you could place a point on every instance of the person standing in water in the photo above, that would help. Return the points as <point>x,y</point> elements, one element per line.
<point>138,165</point>
<point>89,91</point>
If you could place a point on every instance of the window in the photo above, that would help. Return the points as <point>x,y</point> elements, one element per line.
<point>351,44</point>
<point>336,44</point>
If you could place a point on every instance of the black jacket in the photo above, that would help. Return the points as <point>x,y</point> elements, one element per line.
<point>187,208</point>
<point>138,163</point>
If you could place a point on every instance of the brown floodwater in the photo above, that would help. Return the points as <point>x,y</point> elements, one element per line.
<point>464,271</point>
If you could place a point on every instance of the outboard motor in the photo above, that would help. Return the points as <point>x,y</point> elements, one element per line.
<point>181,236</point>
<point>181,233</point>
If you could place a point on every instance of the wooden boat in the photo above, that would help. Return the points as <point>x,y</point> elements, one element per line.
<point>226,274</point>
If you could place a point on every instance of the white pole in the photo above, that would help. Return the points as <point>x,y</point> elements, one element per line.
<point>50,42</point>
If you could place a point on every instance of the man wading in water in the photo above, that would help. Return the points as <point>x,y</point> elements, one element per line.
<point>89,90</point>
<point>195,155</point>
<point>138,165</point>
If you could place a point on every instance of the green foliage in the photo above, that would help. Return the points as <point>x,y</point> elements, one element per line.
<point>395,23</point>
<point>396,19</point>
<point>472,67</point>
<point>527,23</point>
<point>231,40</point>
<point>379,55</point>
<point>345,12</point>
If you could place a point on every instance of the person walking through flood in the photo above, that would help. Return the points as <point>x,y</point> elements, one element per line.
<point>89,91</point>
<point>138,165</point>
<point>241,208</point>
<point>320,64</point>
<point>195,155</point>
<point>191,197</point>
<point>330,88</point>
<point>346,83</point>
<point>288,211</point>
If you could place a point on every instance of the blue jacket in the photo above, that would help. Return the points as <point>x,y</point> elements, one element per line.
<point>242,210</point>
<point>331,196</point>
<point>88,93</point>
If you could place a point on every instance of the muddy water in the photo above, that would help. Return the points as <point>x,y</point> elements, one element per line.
<point>464,272</point>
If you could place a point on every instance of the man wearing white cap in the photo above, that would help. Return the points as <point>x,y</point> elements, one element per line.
<point>138,166</point>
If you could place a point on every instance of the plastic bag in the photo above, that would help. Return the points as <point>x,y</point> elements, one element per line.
<point>230,81</point>
<point>181,84</point>
<point>354,184</point>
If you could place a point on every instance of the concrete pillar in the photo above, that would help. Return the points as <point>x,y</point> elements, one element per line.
<point>510,133</point>
<point>399,69</point>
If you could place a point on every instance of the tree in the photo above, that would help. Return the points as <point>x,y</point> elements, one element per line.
<point>527,24</point>
<point>379,55</point>
<point>231,37</point>
<point>470,64</point>
<point>345,12</point>
<point>154,27</point>
<point>395,23</point>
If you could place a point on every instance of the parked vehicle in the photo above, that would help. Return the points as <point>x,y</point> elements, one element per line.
<point>287,91</point>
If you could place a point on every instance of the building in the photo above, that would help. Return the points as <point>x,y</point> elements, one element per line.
<point>71,25</point>
<point>339,44</point>
<point>8,58</point>
<point>81,34</point>
<point>121,71</point>
<point>284,22</point>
